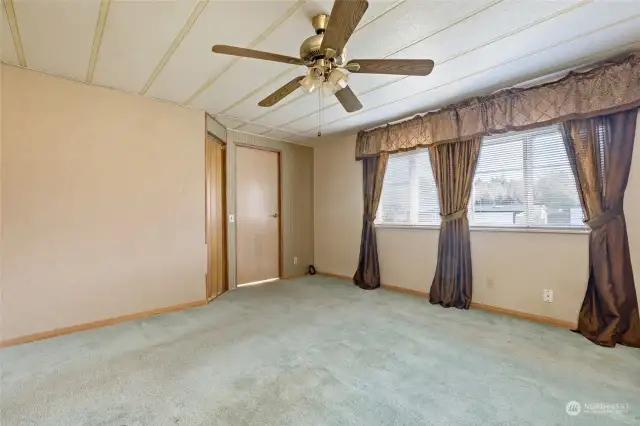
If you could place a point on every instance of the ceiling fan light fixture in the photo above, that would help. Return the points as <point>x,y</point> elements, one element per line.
<point>307,85</point>
<point>337,80</point>
<point>312,81</point>
<point>328,89</point>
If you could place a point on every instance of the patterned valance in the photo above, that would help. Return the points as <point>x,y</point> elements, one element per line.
<point>610,87</point>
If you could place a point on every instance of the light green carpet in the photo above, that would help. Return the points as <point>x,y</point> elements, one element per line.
<point>316,351</point>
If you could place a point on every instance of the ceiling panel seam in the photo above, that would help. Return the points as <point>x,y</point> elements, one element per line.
<point>97,38</point>
<point>15,31</point>
<point>574,38</point>
<point>257,40</point>
<point>272,138</point>
<point>244,121</point>
<point>195,14</point>
<point>291,69</point>
<point>458,55</point>
<point>408,45</point>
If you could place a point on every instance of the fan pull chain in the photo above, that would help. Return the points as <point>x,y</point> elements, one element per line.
<point>320,112</point>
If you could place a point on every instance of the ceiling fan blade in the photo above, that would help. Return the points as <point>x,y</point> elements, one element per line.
<point>348,99</point>
<point>391,66</point>
<point>281,93</point>
<point>345,16</point>
<point>255,54</point>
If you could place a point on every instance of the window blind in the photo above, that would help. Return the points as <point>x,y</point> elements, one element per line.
<point>409,193</point>
<point>524,179</point>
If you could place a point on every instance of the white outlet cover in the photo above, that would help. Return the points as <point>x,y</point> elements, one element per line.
<point>232,218</point>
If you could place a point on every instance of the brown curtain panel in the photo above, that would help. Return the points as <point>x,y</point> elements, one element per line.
<point>454,166</point>
<point>368,274</point>
<point>599,150</point>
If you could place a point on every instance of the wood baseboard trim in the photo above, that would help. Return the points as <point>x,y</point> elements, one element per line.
<point>405,290</point>
<point>289,277</point>
<point>531,317</point>
<point>96,324</point>
<point>340,277</point>
<point>525,315</point>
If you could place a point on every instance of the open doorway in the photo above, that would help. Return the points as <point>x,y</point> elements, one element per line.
<point>216,224</point>
<point>258,217</point>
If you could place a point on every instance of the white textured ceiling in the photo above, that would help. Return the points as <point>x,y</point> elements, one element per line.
<point>162,49</point>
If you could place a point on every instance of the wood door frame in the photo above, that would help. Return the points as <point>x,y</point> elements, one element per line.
<point>280,180</point>
<point>209,139</point>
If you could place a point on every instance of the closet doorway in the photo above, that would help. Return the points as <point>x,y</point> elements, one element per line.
<point>216,214</point>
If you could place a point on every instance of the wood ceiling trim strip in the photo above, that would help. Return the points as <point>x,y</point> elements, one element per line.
<point>380,15</point>
<point>97,38</point>
<point>197,11</point>
<point>15,32</point>
<point>271,137</point>
<point>245,122</point>
<point>512,82</point>
<point>446,27</point>
<point>554,15</point>
<point>258,89</point>
<point>257,40</point>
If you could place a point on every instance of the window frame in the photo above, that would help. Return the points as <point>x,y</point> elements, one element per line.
<point>549,229</point>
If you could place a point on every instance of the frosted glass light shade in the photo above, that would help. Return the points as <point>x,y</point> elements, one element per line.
<point>312,80</point>
<point>338,79</point>
<point>328,89</point>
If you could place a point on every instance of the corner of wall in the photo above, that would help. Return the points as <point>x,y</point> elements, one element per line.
<point>215,128</point>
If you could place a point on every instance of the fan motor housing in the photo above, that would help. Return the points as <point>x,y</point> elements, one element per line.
<point>310,49</point>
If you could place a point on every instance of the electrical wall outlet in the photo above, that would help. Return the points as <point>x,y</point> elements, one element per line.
<point>295,260</point>
<point>547,295</point>
<point>489,282</point>
<point>232,218</point>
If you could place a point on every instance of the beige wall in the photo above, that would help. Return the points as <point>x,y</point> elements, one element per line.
<point>510,269</point>
<point>297,201</point>
<point>102,203</point>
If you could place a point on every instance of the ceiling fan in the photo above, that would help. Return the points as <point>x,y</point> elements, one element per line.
<point>325,56</point>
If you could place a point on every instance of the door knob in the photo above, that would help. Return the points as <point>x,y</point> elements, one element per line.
<point>275,215</point>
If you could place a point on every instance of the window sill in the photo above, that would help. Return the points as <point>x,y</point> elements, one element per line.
<point>490,229</point>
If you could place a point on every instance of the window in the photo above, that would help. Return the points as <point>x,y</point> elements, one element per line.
<point>524,179</point>
<point>409,195</point>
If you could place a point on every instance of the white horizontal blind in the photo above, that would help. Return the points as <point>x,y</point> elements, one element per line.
<point>409,195</point>
<point>524,179</point>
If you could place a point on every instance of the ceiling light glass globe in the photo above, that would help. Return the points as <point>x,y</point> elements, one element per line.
<point>308,85</point>
<point>328,88</point>
<point>338,79</point>
<point>312,80</point>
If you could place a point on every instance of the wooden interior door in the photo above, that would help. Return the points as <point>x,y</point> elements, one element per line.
<point>257,214</point>
<point>216,218</point>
